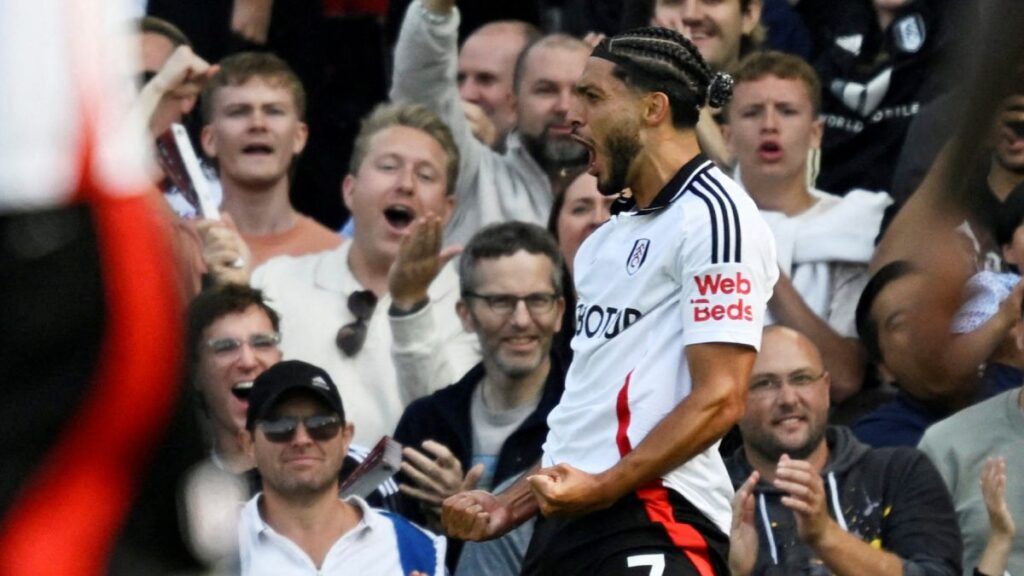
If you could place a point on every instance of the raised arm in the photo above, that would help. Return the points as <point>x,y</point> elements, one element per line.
<point>427,354</point>
<point>426,66</point>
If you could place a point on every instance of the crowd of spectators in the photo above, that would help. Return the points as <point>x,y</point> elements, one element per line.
<point>402,199</point>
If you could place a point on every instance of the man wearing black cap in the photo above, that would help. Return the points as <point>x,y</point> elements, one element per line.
<point>297,435</point>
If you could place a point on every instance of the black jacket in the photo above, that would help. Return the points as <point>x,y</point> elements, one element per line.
<point>892,498</point>
<point>444,417</point>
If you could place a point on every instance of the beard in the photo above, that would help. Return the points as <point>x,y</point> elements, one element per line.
<point>554,154</point>
<point>769,447</point>
<point>623,145</point>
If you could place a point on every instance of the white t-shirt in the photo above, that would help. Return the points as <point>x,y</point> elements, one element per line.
<point>697,266</point>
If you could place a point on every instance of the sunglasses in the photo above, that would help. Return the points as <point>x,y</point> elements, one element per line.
<point>352,336</point>
<point>320,427</point>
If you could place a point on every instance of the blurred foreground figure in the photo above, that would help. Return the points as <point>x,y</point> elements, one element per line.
<point>90,345</point>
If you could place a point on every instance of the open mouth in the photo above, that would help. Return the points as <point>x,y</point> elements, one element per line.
<point>241,390</point>
<point>769,150</point>
<point>399,217</point>
<point>591,153</point>
<point>258,149</point>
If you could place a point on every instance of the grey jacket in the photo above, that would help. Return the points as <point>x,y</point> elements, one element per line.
<point>492,187</point>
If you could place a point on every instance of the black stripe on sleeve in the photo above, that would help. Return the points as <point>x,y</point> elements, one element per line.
<point>735,215</point>
<point>714,222</point>
<point>727,233</point>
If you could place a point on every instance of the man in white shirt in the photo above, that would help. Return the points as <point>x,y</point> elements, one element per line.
<point>297,435</point>
<point>671,300</point>
<point>378,313</point>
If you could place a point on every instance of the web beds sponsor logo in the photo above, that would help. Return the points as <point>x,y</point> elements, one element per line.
<point>722,298</point>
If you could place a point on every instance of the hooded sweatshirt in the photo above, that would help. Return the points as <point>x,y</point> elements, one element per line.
<point>891,498</point>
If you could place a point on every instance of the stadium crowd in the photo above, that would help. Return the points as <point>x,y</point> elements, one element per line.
<point>640,287</point>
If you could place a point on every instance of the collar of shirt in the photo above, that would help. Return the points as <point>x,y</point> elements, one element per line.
<point>668,193</point>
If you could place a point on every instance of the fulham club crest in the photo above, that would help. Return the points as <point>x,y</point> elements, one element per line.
<point>637,255</point>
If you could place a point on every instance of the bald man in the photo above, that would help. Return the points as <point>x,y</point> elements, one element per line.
<point>487,63</point>
<point>811,499</point>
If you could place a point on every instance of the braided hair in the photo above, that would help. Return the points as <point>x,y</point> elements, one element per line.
<point>662,60</point>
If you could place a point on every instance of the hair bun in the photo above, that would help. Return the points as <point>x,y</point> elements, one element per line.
<point>720,90</point>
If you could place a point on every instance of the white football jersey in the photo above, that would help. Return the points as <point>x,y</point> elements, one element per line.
<point>67,69</point>
<point>696,266</point>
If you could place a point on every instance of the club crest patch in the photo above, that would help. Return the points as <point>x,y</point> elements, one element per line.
<point>910,33</point>
<point>637,256</point>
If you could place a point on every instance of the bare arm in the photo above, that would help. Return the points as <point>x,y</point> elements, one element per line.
<point>719,372</point>
<point>843,357</point>
<point>479,515</point>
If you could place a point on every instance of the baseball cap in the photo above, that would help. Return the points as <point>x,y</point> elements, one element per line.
<point>287,376</point>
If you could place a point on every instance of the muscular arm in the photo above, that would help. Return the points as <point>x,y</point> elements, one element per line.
<point>843,357</point>
<point>479,515</point>
<point>719,373</point>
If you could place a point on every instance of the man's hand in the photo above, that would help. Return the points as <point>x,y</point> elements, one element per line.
<point>225,253</point>
<point>806,498</point>
<point>743,535</point>
<point>420,259</point>
<point>250,19</point>
<point>175,88</point>
<point>566,491</point>
<point>480,124</point>
<point>437,478</point>
<point>476,515</point>
<point>993,489</point>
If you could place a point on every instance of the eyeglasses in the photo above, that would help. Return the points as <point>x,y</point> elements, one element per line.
<point>321,427</point>
<point>352,336</point>
<point>505,304</point>
<point>231,348</point>
<point>772,383</point>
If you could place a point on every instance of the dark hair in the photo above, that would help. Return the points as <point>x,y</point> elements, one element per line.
<point>213,304</point>
<point>238,69</point>
<point>661,60</point>
<point>505,239</point>
<point>563,41</point>
<point>867,327</point>
<point>780,65</point>
<point>1009,217</point>
<point>161,27</point>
